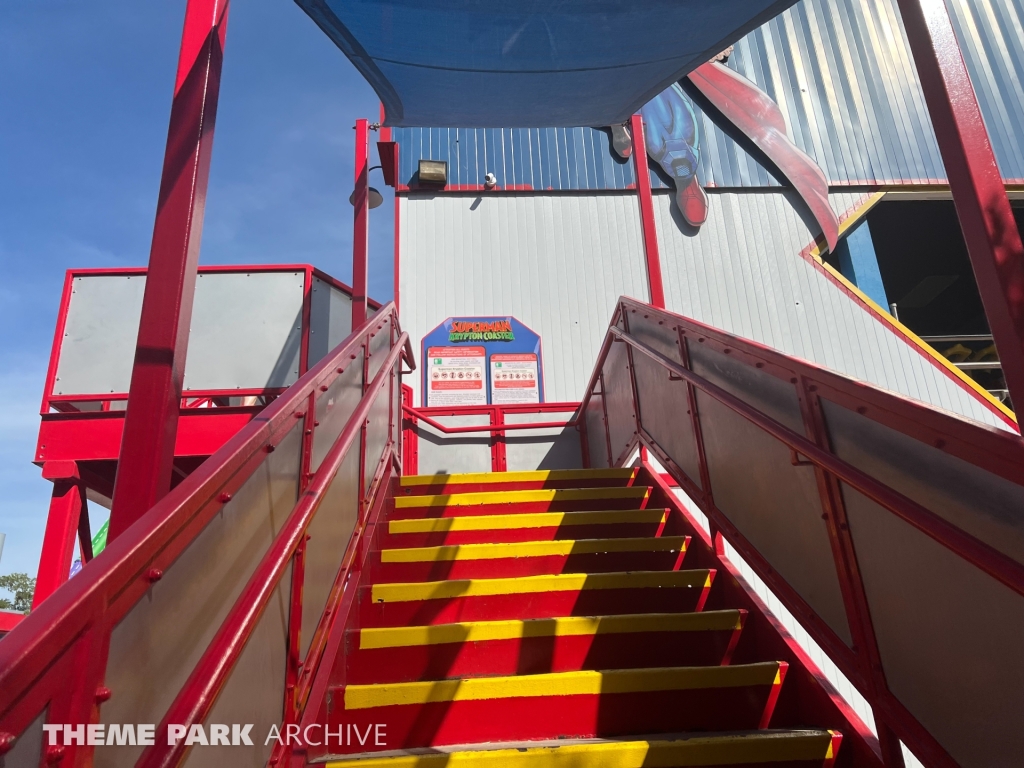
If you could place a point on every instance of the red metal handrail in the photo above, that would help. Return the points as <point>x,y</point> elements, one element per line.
<point>989,449</point>
<point>492,428</point>
<point>55,659</point>
<point>199,693</point>
<point>1007,570</point>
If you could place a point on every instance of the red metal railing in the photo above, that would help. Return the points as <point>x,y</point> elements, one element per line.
<point>737,424</point>
<point>496,429</point>
<point>334,434</point>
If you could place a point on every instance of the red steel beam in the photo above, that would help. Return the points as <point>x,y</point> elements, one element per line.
<point>643,188</point>
<point>990,231</point>
<point>361,224</point>
<point>154,398</point>
<point>67,505</point>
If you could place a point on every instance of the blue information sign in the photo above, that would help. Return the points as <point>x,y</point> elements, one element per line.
<point>482,361</point>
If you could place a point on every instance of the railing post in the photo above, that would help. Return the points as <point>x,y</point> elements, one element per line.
<point>851,584</point>
<point>154,398</point>
<point>989,228</point>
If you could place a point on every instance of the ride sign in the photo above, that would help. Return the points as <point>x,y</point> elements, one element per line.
<point>482,361</point>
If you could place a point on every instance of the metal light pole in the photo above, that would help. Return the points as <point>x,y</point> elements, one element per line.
<point>361,224</point>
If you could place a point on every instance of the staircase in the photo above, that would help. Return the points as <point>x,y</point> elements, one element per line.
<point>552,618</point>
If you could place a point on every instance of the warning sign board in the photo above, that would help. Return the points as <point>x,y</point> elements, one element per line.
<point>455,376</point>
<point>514,378</point>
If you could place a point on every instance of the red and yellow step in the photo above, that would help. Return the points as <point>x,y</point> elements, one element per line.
<point>516,481</point>
<point>582,704</point>
<point>564,644</point>
<point>530,558</point>
<point>505,502</point>
<point>780,749</point>
<point>533,597</point>
<point>524,526</point>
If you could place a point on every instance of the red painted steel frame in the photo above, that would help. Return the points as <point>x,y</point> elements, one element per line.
<point>360,223</point>
<point>990,230</point>
<point>56,658</point>
<point>151,423</point>
<point>496,426</point>
<point>650,230</point>
<point>67,518</point>
<point>991,449</point>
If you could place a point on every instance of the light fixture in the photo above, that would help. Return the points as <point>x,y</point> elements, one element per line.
<point>375,199</point>
<point>433,172</point>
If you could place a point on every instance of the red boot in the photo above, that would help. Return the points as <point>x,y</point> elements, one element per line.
<point>693,203</point>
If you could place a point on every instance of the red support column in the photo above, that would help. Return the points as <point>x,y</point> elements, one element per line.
<point>67,508</point>
<point>990,231</point>
<point>151,421</point>
<point>398,239</point>
<point>643,188</point>
<point>361,225</point>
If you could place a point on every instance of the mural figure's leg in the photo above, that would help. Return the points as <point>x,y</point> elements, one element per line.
<point>673,142</point>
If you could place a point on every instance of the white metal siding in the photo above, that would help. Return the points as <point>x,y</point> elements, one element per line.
<point>555,262</point>
<point>742,272</point>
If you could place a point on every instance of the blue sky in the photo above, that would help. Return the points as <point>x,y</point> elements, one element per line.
<point>85,93</point>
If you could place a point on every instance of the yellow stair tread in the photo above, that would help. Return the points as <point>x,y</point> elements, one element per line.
<point>526,520</point>
<point>476,631</point>
<point>563,582</point>
<point>530,476</point>
<point>660,752</point>
<point>520,497</point>
<point>556,547</point>
<point>581,683</point>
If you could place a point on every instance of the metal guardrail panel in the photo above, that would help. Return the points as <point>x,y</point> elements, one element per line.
<point>159,641</point>
<point>949,637</point>
<point>891,530</point>
<point>554,448</point>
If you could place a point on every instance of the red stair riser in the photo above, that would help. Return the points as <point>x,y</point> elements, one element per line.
<point>552,717</point>
<point>402,513</point>
<point>521,485</point>
<point>508,535</point>
<point>592,562</point>
<point>537,605</point>
<point>536,655</point>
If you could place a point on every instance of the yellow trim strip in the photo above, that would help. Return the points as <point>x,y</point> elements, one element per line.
<point>585,683</point>
<point>539,475</point>
<point>852,220</point>
<point>734,749</point>
<point>564,547</point>
<point>520,497</point>
<point>402,592</point>
<point>526,520</point>
<point>565,626</point>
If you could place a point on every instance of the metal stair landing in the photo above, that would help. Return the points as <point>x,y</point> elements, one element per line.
<point>549,619</point>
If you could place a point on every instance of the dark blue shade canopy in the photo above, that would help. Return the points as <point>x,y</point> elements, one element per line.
<point>529,63</point>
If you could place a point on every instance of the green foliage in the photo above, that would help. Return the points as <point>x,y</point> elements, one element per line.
<point>22,587</point>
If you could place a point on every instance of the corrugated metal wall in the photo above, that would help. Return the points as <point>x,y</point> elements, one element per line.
<point>520,158</point>
<point>842,74</point>
<point>742,273</point>
<point>555,262</point>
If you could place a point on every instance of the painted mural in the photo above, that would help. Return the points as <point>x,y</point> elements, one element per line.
<point>672,137</point>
